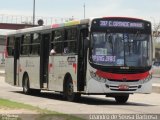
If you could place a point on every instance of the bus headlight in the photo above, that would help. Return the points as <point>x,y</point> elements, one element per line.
<point>97,78</point>
<point>149,77</point>
<point>93,75</point>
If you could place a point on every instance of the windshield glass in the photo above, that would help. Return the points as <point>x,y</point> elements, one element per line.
<point>120,49</point>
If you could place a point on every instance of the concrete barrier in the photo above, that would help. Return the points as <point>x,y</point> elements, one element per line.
<point>2,73</point>
<point>156,88</point>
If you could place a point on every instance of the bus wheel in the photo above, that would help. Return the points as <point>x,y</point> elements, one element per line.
<point>69,91</point>
<point>121,99</point>
<point>26,88</point>
<point>35,91</point>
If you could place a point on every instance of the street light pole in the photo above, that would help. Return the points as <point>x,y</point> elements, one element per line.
<point>33,12</point>
<point>84,10</point>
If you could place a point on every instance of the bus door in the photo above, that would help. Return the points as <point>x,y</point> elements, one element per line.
<point>82,59</point>
<point>44,59</point>
<point>16,60</point>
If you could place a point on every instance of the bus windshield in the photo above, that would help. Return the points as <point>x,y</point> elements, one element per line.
<point>121,49</point>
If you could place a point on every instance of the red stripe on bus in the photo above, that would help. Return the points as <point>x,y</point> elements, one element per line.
<point>75,67</point>
<point>107,75</point>
<point>50,65</point>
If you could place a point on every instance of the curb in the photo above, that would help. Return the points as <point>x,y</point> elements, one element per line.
<point>156,88</point>
<point>2,73</point>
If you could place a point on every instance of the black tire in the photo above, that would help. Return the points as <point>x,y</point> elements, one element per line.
<point>26,86</point>
<point>35,91</point>
<point>121,99</point>
<point>69,91</point>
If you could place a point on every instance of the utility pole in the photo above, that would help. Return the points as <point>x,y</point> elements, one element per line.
<point>84,10</point>
<point>33,12</point>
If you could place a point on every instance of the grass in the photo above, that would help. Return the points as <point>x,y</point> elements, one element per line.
<point>15,105</point>
<point>42,114</point>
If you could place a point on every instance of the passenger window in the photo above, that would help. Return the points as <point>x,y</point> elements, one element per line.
<point>57,40</point>
<point>70,42</point>
<point>10,46</point>
<point>26,44</point>
<point>35,47</point>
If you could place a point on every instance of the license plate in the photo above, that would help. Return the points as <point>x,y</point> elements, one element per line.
<point>123,87</point>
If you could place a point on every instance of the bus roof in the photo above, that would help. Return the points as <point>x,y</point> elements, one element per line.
<point>31,29</point>
<point>65,24</point>
<point>39,28</point>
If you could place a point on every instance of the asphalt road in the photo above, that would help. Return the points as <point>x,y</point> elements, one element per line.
<point>137,103</point>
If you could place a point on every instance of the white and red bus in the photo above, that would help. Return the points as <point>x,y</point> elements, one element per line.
<point>109,56</point>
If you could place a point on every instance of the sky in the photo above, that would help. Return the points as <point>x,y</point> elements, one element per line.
<point>146,9</point>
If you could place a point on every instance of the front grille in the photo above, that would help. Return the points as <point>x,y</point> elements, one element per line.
<point>116,87</point>
<point>112,80</point>
<point>124,90</point>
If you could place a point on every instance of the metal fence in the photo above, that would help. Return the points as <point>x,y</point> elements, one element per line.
<point>20,19</point>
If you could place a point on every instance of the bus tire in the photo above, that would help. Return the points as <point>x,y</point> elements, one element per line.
<point>35,91</point>
<point>68,91</point>
<point>26,86</point>
<point>121,99</point>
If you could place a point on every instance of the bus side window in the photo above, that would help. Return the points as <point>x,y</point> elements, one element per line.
<point>10,46</point>
<point>26,44</point>
<point>57,41</point>
<point>70,42</point>
<point>52,45</point>
<point>35,47</point>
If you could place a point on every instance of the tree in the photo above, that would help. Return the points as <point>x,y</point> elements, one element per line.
<point>156,30</point>
<point>156,35</point>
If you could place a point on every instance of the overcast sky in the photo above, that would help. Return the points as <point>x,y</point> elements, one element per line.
<point>147,9</point>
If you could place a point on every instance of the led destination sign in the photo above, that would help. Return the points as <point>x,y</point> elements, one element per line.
<point>123,24</point>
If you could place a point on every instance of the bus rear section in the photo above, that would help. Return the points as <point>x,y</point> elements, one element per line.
<point>120,57</point>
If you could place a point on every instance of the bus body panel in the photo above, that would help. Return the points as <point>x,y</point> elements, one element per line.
<point>96,84</point>
<point>9,68</point>
<point>32,68</point>
<point>60,66</point>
